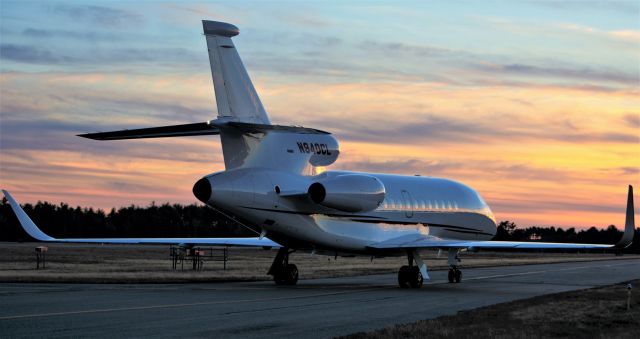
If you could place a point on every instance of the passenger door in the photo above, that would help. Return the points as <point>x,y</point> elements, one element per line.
<point>407,204</point>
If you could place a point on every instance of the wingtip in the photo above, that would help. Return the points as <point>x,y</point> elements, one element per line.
<point>27,224</point>
<point>629,222</point>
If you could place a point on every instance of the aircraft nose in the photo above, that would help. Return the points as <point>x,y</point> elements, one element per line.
<point>202,190</point>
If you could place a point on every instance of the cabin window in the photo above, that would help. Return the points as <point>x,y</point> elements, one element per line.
<point>455,205</point>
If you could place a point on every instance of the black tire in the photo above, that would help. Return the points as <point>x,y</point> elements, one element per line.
<point>280,278</point>
<point>403,277</point>
<point>287,275</point>
<point>292,274</point>
<point>458,276</point>
<point>451,275</point>
<point>415,277</point>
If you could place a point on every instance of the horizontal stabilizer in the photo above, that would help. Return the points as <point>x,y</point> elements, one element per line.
<point>200,128</point>
<point>32,229</point>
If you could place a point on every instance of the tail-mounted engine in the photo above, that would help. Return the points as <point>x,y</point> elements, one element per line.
<point>348,192</point>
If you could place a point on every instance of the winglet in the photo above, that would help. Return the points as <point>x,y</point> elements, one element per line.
<point>629,225</point>
<point>27,224</point>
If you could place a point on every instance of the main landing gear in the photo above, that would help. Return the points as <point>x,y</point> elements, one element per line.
<point>283,273</point>
<point>455,275</point>
<point>412,275</point>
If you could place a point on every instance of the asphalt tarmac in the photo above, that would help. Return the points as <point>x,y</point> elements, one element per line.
<point>318,308</point>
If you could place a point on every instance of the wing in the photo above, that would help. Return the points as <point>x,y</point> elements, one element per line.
<point>426,241</point>
<point>30,227</point>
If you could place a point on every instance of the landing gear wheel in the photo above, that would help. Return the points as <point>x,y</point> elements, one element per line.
<point>288,275</point>
<point>292,274</point>
<point>457,275</point>
<point>410,276</point>
<point>415,278</point>
<point>403,276</point>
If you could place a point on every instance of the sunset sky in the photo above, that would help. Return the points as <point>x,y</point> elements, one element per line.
<point>536,104</point>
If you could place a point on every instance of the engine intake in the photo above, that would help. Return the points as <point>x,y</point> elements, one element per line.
<point>349,192</point>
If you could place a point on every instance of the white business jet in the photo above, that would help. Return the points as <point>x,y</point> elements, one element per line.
<point>270,185</point>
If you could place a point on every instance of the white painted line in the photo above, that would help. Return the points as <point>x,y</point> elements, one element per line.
<point>139,308</point>
<point>543,271</point>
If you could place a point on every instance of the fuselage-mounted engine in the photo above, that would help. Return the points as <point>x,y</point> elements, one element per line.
<point>348,192</point>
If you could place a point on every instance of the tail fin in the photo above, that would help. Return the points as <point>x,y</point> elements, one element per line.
<point>248,137</point>
<point>236,97</point>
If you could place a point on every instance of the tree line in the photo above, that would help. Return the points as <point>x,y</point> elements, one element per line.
<point>508,231</point>
<point>166,220</point>
<point>175,220</point>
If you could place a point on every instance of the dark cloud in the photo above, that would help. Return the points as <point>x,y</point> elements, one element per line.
<point>409,166</point>
<point>431,129</point>
<point>98,57</point>
<point>618,137</point>
<point>558,72</point>
<point>320,57</point>
<point>77,35</point>
<point>100,15</point>
<point>632,119</point>
<point>392,49</point>
<point>448,168</point>
<point>122,186</point>
<point>52,135</point>
<point>31,55</point>
<point>630,170</point>
<point>158,109</point>
<point>133,55</point>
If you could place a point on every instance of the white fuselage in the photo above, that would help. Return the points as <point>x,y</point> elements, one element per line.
<point>412,205</point>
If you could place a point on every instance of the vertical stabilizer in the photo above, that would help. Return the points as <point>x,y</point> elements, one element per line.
<point>246,140</point>
<point>236,97</point>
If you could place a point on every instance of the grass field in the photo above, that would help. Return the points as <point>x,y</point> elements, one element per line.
<point>152,264</point>
<point>592,313</point>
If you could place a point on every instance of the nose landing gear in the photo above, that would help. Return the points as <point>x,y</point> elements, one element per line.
<point>455,275</point>
<point>283,273</point>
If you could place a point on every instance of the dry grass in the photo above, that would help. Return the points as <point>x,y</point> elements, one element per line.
<point>151,264</point>
<point>592,313</point>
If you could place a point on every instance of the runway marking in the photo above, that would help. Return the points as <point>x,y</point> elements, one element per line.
<point>542,271</point>
<point>139,308</point>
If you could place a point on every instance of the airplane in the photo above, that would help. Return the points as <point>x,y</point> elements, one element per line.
<point>272,185</point>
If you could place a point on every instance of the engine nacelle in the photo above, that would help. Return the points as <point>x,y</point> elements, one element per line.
<point>348,192</point>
